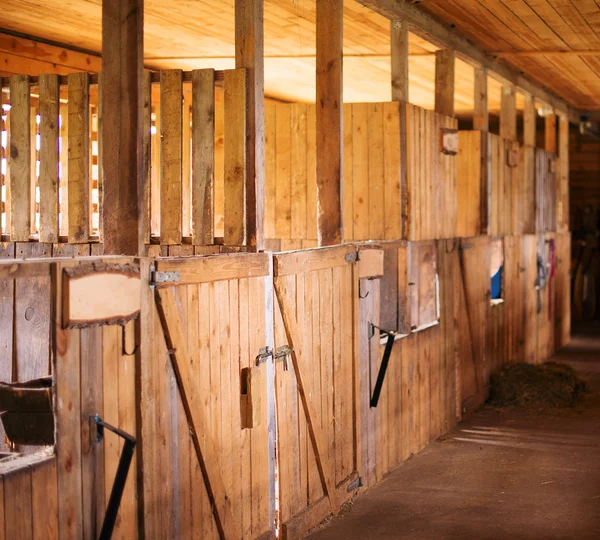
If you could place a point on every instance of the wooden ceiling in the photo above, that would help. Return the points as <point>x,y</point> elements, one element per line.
<point>191,34</point>
<point>555,42</point>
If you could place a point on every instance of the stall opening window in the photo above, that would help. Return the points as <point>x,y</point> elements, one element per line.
<point>423,285</point>
<point>496,271</point>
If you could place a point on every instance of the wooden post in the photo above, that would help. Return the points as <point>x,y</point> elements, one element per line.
<point>249,54</point>
<point>563,159</point>
<point>444,82</point>
<point>550,133</point>
<point>529,121</point>
<point>330,113</point>
<point>508,114</point>
<point>481,119</point>
<point>122,126</point>
<point>399,53</point>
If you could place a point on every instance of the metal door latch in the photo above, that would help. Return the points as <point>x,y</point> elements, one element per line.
<point>282,354</point>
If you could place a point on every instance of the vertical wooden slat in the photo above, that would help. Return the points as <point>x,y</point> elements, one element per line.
<point>44,501</point>
<point>4,173</point>
<point>64,170</point>
<point>171,157</point>
<point>360,172</point>
<point>444,82</point>
<point>529,121</point>
<point>203,156</point>
<point>329,121</point>
<point>33,131</point>
<point>550,133</point>
<point>311,172</point>
<point>376,172</point>
<point>236,130</point>
<point>92,458</point>
<point>508,113</point>
<point>32,317</point>
<point>283,202</point>
<point>146,200</point>
<point>49,157</point>
<point>19,158</point>
<point>186,169</point>
<point>79,158</point>
<point>249,45</point>
<point>399,60</point>
<point>348,175</point>
<point>270,170</point>
<point>563,174</point>
<point>18,509</point>
<point>392,171</point>
<point>481,120</point>
<point>298,170</point>
<point>68,419</point>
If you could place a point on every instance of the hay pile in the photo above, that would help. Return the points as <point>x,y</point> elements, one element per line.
<point>548,385</point>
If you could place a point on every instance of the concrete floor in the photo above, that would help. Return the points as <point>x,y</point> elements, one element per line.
<point>500,475</point>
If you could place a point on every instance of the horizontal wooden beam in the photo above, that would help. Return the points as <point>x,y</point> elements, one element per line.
<point>441,35</point>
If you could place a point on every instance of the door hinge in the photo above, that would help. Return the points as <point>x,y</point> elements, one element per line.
<point>162,277</point>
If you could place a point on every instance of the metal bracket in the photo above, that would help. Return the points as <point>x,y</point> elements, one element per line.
<point>354,485</point>
<point>389,344</point>
<point>97,427</point>
<point>162,277</point>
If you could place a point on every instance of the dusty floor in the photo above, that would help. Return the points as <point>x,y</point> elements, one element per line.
<point>500,475</point>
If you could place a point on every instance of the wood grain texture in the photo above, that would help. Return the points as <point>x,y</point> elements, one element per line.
<point>329,109</point>
<point>79,158</point>
<point>236,129</point>
<point>123,105</point>
<point>19,159</point>
<point>399,60</point>
<point>203,158</point>
<point>508,114</point>
<point>249,54</point>
<point>481,118</point>
<point>49,158</point>
<point>171,157</point>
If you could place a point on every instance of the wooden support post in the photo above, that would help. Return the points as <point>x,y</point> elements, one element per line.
<point>249,54</point>
<point>444,82</point>
<point>481,119</point>
<point>399,53</point>
<point>550,133</point>
<point>529,121</point>
<point>508,114</point>
<point>330,112</point>
<point>122,126</point>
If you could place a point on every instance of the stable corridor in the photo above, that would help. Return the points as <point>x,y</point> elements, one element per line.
<point>510,474</point>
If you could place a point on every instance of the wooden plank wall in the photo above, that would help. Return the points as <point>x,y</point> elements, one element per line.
<point>545,191</point>
<point>495,195</point>
<point>373,174</point>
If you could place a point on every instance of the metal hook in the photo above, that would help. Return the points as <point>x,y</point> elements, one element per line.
<point>124,345</point>
<point>359,295</point>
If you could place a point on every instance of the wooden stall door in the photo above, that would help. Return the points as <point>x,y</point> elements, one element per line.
<point>207,453</point>
<point>314,387</point>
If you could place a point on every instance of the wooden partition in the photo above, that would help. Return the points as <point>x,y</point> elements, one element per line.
<point>52,185</point>
<point>545,191</point>
<point>194,378</point>
<point>397,181</point>
<point>496,186</point>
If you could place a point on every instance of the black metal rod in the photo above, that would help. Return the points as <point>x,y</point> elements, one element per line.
<point>391,338</point>
<point>116,493</point>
